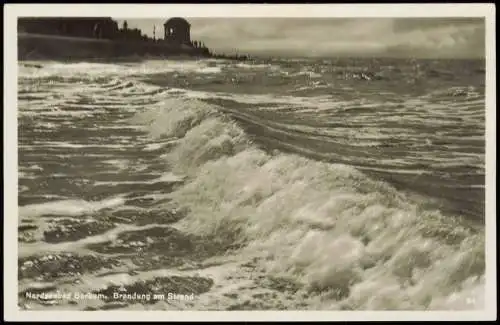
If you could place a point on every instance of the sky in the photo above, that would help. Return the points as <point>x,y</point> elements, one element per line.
<point>334,37</point>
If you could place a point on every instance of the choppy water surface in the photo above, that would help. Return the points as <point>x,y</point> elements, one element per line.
<point>299,184</point>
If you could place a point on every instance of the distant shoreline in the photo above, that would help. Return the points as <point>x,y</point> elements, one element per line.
<point>42,47</point>
<point>39,47</point>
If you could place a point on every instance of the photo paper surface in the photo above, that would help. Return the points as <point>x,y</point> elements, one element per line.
<point>315,162</point>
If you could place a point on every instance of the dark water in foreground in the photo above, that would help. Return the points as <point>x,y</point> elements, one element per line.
<point>299,184</point>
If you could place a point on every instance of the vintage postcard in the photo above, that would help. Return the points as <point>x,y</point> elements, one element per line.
<point>250,162</point>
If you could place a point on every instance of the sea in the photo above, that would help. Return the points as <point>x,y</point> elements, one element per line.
<point>267,184</point>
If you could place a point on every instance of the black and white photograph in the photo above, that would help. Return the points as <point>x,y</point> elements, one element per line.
<point>170,160</point>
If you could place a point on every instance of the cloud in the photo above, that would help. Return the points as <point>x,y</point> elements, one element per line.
<point>394,37</point>
<point>456,39</point>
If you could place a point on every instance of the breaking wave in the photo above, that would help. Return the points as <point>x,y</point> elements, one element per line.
<point>356,239</point>
<point>349,239</point>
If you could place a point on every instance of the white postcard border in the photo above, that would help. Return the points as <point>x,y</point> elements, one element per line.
<point>12,11</point>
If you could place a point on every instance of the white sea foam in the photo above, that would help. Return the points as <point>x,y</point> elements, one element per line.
<point>68,207</point>
<point>328,226</point>
<point>352,241</point>
<point>158,145</point>
<point>306,72</point>
<point>165,178</point>
<point>258,66</point>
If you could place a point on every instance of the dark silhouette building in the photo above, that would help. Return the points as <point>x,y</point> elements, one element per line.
<point>103,38</point>
<point>177,30</point>
<point>70,26</point>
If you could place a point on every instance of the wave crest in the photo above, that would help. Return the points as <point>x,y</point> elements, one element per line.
<point>327,225</point>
